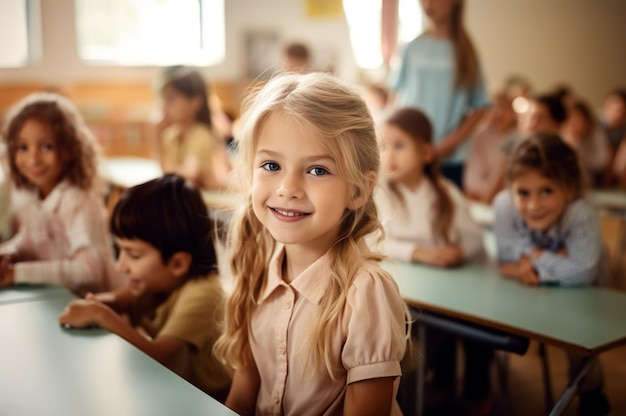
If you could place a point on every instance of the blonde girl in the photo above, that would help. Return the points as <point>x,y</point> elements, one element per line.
<point>62,236</point>
<point>314,325</point>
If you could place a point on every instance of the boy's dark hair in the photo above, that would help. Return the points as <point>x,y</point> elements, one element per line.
<point>297,50</point>
<point>554,104</point>
<point>548,154</point>
<point>170,215</point>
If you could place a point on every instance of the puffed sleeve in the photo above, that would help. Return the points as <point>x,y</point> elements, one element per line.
<point>375,323</point>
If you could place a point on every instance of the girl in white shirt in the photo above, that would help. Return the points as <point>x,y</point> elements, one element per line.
<point>63,236</point>
<point>426,217</point>
<point>427,220</point>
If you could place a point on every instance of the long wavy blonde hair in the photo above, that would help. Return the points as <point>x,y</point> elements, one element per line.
<point>335,113</point>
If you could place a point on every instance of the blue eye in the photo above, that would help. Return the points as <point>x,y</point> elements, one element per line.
<point>271,166</point>
<point>547,191</point>
<point>47,146</point>
<point>522,193</point>
<point>317,171</point>
<point>21,148</point>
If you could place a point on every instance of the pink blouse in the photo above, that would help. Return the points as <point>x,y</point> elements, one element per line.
<point>62,240</point>
<point>368,342</point>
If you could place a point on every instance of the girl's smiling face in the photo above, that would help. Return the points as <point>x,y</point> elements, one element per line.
<point>297,192</point>
<point>37,157</point>
<point>540,200</point>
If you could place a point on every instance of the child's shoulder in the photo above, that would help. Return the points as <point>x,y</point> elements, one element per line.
<point>371,276</point>
<point>502,199</point>
<point>580,208</point>
<point>74,196</point>
<point>203,287</point>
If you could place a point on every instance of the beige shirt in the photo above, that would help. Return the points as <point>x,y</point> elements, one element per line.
<point>369,340</point>
<point>198,155</point>
<point>62,240</point>
<point>409,228</point>
<point>194,313</point>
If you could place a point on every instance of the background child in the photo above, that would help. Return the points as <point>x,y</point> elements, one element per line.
<point>189,145</point>
<point>173,293</point>
<point>451,91</point>
<point>314,325</point>
<point>613,123</point>
<point>483,177</point>
<point>547,233</point>
<point>582,133</point>
<point>546,112</point>
<point>62,236</point>
<point>427,220</point>
<point>427,217</point>
<point>296,58</point>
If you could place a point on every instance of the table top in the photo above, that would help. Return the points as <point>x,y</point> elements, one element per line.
<point>47,370</point>
<point>583,320</point>
<point>22,293</point>
<point>614,199</point>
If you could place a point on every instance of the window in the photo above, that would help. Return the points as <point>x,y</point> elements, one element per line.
<point>19,31</point>
<point>151,32</point>
<point>365,23</point>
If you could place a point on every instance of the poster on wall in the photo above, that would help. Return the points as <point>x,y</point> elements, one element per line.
<point>316,9</point>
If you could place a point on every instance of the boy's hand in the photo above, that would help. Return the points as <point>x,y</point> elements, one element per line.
<point>526,272</point>
<point>82,313</point>
<point>522,270</point>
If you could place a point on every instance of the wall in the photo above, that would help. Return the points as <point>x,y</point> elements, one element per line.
<point>578,42</point>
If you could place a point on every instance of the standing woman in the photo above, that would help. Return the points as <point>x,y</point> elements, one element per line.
<point>440,74</point>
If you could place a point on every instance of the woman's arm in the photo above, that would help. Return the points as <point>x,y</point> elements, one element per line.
<point>244,389</point>
<point>448,145</point>
<point>369,397</point>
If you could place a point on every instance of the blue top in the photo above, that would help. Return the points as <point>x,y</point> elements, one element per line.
<point>426,80</point>
<point>578,230</point>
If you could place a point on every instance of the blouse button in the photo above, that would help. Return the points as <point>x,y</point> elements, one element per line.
<point>288,304</point>
<point>276,398</point>
<point>281,349</point>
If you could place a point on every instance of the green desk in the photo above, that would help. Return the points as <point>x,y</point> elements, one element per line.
<point>586,321</point>
<point>47,370</point>
<point>24,293</point>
